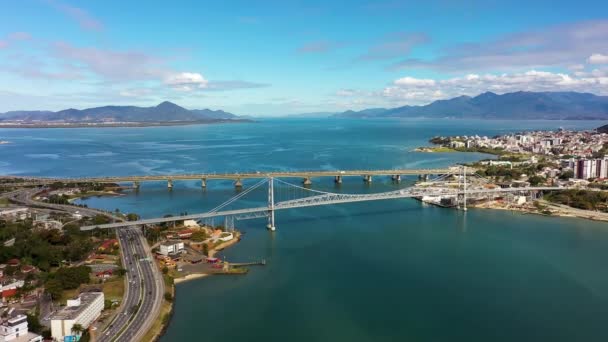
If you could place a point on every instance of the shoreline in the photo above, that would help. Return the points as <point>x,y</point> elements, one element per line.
<point>555,212</point>
<point>189,277</point>
<point>123,124</point>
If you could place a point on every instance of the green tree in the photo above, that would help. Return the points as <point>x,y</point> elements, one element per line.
<point>536,180</point>
<point>567,174</point>
<point>77,329</point>
<point>33,323</point>
<point>132,217</point>
<point>168,296</point>
<point>199,236</point>
<point>100,219</point>
<point>54,288</point>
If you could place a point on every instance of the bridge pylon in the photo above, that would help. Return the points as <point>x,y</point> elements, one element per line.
<point>271,225</point>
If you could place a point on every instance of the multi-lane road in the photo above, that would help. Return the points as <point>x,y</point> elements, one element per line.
<point>143,295</point>
<point>144,284</point>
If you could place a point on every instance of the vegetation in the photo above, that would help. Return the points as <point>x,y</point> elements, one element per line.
<point>581,199</point>
<point>536,180</point>
<point>66,278</point>
<point>42,248</point>
<point>199,236</point>
<point>567,174</point>
<point>132,217</point>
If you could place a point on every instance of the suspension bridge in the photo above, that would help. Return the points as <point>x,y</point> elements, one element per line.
<point>295,196</point>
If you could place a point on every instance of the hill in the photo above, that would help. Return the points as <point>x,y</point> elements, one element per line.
<point>519,105</point>
<point>165,112</point>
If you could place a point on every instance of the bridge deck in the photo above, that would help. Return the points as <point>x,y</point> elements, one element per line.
<point>326,199</point>
<point>235,176</point>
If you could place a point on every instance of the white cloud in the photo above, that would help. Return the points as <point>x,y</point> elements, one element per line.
<point>186,81</point>
<point>552,46</point>
<point>410,90</point>
<point>598,58</point>
<point>415,82</point>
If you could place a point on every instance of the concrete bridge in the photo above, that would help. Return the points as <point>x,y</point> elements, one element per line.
<point>305,176</point>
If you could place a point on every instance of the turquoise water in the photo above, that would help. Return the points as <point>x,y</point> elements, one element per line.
<point>378,271</point>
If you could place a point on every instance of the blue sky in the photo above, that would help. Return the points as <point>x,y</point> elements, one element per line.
<point>282,57</point>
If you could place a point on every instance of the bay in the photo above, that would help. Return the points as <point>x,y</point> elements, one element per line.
<point>377,271</point>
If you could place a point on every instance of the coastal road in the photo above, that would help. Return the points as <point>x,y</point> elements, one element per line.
<point>145,287</point>
<point>589,214</point>
<point>143,296</point>
<point>24,197</point>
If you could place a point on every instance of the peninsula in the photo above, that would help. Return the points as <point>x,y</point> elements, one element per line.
<point>164,114</point>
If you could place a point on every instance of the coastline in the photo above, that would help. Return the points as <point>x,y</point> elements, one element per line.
<point>189,277</point>
<point>121,124</point>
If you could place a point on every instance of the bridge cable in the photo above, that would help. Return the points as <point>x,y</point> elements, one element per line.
<point>233,199</point>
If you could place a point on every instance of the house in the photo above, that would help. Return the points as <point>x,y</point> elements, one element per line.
<point>457,144</point>
<point>16,329</point>
<point>191,224</point>
<point>28,269</point>
<point>108,245</point>
<point>15,213</point>
<point>171,247</point>
<point>13,262</point>
<point>185,234</point>
<point>104,274</point>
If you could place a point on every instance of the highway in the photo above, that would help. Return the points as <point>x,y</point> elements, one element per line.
<point>24,197</point>
<point>144,284</point>
<point>143,296</point>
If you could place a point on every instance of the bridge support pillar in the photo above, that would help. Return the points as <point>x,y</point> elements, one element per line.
<point>307,181</point>
<point>271,225</point>
<point>238,183</point>
<point>170,184</point>
<point>338,179</point>
<point>367,178</point>
<point>203,183</point>
<point>136,185</point>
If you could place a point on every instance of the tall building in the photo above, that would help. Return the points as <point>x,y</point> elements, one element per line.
<point>15,329</point>
<point>83,310</point>
<point>591,168</point>
<point>171,247</point>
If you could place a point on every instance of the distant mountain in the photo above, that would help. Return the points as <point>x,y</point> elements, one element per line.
<point>312,115</point>
<point>164,112</point>
<point>519,105</point>
<point>603,129</point>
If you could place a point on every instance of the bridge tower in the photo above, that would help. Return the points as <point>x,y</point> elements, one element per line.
<point>271,204</point>
<point>464,194</point>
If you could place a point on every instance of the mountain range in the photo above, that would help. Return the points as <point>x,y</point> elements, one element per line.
<point>521,105</point>
<point>165,112</point>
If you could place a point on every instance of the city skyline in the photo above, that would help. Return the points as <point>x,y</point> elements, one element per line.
<point>276,58</point>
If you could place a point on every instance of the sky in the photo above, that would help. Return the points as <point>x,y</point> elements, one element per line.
<point>270,58</point>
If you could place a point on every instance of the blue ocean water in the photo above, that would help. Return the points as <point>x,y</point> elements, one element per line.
<point>377,271</point>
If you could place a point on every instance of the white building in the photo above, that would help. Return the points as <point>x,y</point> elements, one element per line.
<point>171,247</point>
<point>83,310</point>
<point>191,224</point>
<point>15,329</point>
<point>15,213</point>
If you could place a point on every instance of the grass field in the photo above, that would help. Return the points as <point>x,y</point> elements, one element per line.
<point>114,289</point>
